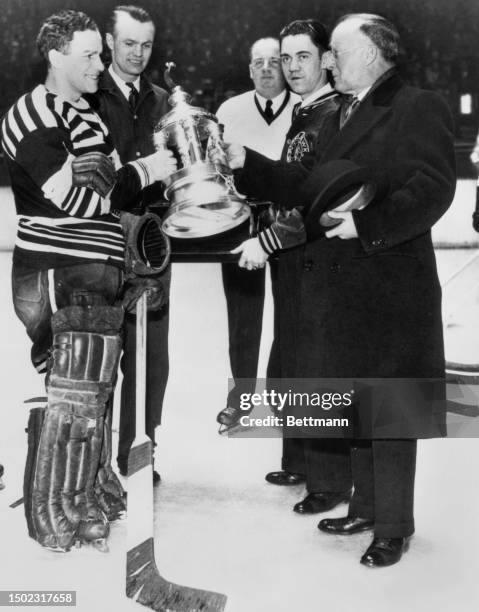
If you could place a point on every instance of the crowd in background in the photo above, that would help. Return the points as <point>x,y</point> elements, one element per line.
<point>209,41</point>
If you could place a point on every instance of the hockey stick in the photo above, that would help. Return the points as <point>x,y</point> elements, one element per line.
<point>144,583</point>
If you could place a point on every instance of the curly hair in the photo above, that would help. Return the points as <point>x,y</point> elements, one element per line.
<point>57,31</point>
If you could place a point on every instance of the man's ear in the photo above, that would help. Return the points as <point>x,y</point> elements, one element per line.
<point>325,60</point>
<point>109,41</point>
<point>250,73</point>
<point>55,58</point>
<point>371,53</point>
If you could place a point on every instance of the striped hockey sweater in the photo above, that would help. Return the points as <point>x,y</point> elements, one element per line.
<point>59,224</point>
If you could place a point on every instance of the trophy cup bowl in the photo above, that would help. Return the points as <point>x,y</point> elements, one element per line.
<point>203,199</point>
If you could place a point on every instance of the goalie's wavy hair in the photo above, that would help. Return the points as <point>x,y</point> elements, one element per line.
<point>57,31</point>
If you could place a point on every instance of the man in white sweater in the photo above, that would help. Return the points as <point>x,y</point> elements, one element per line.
<point>259,119</point>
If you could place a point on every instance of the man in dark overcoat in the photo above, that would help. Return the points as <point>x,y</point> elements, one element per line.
<point>369,300</point>
<point>328,482</point>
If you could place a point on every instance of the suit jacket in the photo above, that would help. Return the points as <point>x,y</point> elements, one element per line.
<point>132,132</point>
<point>370,307</point>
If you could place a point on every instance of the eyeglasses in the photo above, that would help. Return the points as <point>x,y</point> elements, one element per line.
<point>260,62</point>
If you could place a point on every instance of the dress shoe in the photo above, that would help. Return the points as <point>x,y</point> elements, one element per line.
<point>284,478</point>
<point>385,551</point>
<point>156,478</point>
<point>314,503</point>
<point>346,525</point>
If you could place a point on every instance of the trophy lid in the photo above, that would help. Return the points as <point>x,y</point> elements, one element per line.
<point>179,100</point>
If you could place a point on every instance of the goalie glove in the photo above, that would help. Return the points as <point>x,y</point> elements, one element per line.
<point>94,171</point>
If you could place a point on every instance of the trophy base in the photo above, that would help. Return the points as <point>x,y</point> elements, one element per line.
<point>187,220</point>
<point>215,248</point>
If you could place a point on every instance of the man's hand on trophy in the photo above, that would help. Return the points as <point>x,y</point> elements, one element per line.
<point>236,155</point>
<point>94,171</point>
<point>160,165</point>
<point>252,254</point>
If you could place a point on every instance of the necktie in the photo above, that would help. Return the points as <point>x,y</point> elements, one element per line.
<point>296,108</point>
<point>133,97</point>
<point>348,109</point>
<point>268,111</point>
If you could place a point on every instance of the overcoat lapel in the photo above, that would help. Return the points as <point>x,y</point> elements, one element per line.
<point>372,110</point>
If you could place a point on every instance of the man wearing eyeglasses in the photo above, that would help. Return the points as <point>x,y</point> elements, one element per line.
<point>259,119</point>
<point>370,300</point>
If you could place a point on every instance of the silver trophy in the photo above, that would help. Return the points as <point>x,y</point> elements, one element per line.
<point>203,199</point>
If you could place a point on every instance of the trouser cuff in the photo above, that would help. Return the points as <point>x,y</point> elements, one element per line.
<point>394,530</point>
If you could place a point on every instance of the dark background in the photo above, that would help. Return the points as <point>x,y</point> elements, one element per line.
<point>209,41</point>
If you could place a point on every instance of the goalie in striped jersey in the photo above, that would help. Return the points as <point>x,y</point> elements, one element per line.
<point>68,186</point>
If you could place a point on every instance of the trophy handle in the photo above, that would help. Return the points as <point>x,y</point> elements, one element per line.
<point>167,75</point>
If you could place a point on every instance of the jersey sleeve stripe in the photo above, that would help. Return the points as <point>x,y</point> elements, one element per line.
<point>44,111</point>
<point>25,114</point>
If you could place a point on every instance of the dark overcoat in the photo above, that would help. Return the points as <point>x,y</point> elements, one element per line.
<point>370,307</point>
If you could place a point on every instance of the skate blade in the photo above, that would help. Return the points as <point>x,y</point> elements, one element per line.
<point>232,430</point>
<point>224,430</point>
<point>100,544</point>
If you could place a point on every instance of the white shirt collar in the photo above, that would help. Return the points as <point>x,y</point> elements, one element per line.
<point>316,94</point>
<point>277,101</point>
<point>362,94</point>
<point>122,86</point>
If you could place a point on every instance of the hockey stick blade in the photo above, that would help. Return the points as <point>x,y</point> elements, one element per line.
<point>144,583</point>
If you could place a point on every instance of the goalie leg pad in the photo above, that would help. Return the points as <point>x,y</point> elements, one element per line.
<point>110,493</point>
<point>49,524</point>
<point>94,523</point>
<point>35,423</point>
<point>82,369</point>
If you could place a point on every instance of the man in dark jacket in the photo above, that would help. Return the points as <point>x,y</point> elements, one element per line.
<point>131,106</point>
<point>328,479</point>
<point>369,297</point>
